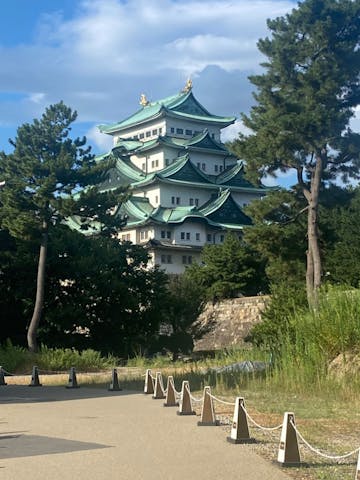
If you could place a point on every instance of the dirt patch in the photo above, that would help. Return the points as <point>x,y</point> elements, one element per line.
<point>345,364</point>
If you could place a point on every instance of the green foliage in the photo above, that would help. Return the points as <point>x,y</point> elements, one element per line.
<point>342,253</point>
<point>59,359</point>
<point>277,235</point>
<point>182,304</point>
<point>15,359</point>
<point>305,100</point>
<point>306,340</point>
<point>286,299</point>
<point>46,180</point>
<point>308,92</point>
<point>229,269</point>
<point>100,294</point>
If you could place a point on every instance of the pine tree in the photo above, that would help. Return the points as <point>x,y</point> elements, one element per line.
<point>305,100</point>
<point>46,179</point>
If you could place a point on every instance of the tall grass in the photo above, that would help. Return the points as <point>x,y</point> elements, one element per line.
<point>315,337</point>
<point>18,360</point>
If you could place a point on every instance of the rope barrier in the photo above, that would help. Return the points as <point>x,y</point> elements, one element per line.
<point>9,373</point>
<point>232,404</point>
<point>267,429</point>
<point>194,399</point>
<point>318,452</point>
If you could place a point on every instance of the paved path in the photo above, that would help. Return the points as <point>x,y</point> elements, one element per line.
<point>51,433</point>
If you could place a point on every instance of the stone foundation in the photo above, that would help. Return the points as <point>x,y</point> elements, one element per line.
<point>229,322</point>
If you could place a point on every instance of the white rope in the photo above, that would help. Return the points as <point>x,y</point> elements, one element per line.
<point>232,404</point>
<point>194,399</point>
<point>176,392</point>
<point>330,457</point>
<point>267,429</point>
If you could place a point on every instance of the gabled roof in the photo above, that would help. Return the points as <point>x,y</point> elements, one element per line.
<point>234,177</point>
<point>124,173</point>
<point>224,210</point>
<point>183,105</point>
<point>198,142</point>
<point>220,212</point>
<point>182,170</point>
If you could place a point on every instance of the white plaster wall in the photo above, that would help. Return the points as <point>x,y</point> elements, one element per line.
<point>144,234</point>
<point>137,130</point>
<point>184,193</point>
<point>192,229</point>
<point>128,235</point>
<point>198,127</point>
<point>151,192</point>
<point>176,265</point>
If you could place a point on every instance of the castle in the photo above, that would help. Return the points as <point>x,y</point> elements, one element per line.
<point>187,189</point>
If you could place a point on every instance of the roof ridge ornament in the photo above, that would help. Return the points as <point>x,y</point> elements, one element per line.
<point>188,86</point>
<point>143,100</point>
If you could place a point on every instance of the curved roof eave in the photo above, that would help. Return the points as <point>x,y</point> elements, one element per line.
<point>224,121</point>
<point>210,186</point>
<point>118,127</point>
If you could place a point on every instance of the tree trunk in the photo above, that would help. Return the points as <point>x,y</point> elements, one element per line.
<point>40,290</point>
<point>313,255</point>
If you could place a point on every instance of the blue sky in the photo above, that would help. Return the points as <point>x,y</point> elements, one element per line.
<point>98,56</point>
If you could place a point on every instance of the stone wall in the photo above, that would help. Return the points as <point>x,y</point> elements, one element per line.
<point>229,322</point>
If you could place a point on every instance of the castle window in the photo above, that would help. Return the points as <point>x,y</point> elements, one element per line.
<point>198,237</point>
<point>203,166</point>
<point>173,200</point>
<point>168,234</point>
<point>182,235</point>
<point>208,237</point>
<point>162,233</point>
<point>141,135</point>
<point>196,202</point>
<point>148,134</point>
<point>167,162</point>
<point>221,238</point>
<point>172,130</point>
<point>216,168</point>
<point>191,202</point>
<point>198,165</point>
<point>152,164</point>
<point>188,132</point>
<point>136,137</point>
<point>160,131</point>
<point>154,132</point>
<point>187,259</point>
<point>166,259</point>
<point>221,168</point>
<point>187,235</point>
<point>177,200</point>
<point>156,163</point>
<point>180,131</point>
<point>156,198</point>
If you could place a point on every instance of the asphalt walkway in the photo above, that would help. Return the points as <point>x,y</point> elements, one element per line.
<point>51,433</point>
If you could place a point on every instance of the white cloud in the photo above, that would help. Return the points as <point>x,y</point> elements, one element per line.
<point>232,131</point>
<point>37,97</point>
<point>102,141</point>
<point>110,51</point>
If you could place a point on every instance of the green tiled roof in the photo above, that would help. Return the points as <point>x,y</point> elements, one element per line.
<point>182,105</point>
<point>234,177</point>
<point>221,211</point>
